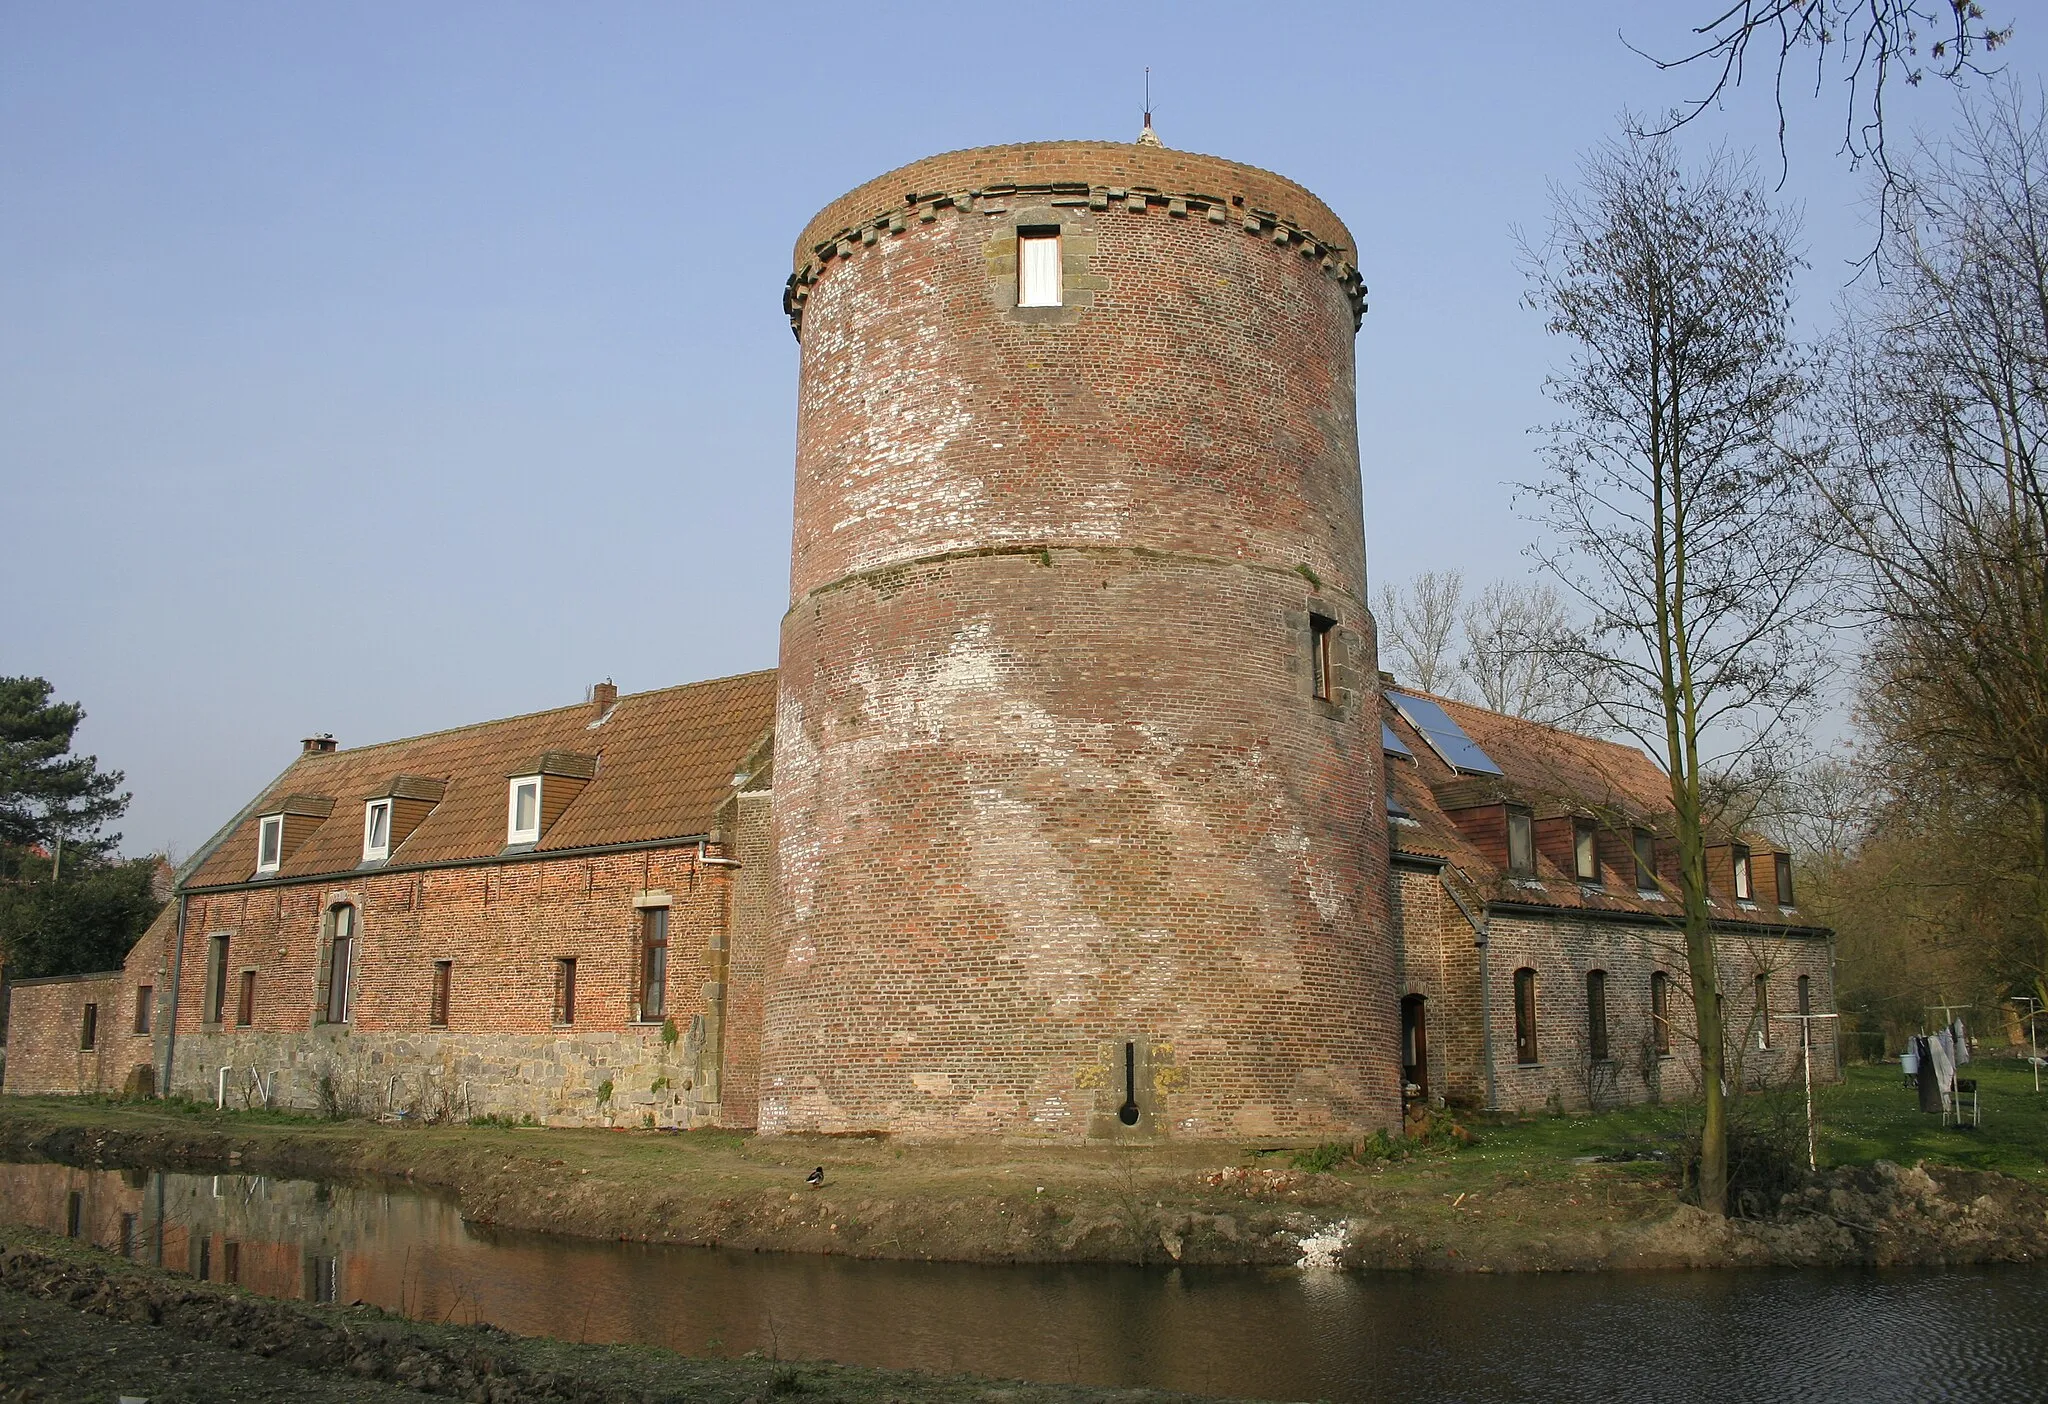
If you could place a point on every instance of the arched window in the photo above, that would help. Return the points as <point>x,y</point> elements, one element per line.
<point>1660,1011</point>
<point>1596,1015</point>
<point>1525,1015</point>
<point>1805,996</point>
<point>1763,1011</point>
<point>340,962</point>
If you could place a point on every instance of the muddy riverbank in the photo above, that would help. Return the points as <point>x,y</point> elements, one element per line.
<point>982,1202</point>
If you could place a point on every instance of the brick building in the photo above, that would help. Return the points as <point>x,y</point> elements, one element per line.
<point>1075,807</point>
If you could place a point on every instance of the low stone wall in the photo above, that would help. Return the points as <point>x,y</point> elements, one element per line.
<point>634,1077</point>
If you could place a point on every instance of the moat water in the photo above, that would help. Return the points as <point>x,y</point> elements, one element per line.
<point>1753,1336</point>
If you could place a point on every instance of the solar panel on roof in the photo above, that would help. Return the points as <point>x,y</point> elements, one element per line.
<point>1393,745</point>
<point>1444,736</point>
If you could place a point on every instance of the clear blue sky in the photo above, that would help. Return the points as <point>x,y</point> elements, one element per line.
<point>379,368</point>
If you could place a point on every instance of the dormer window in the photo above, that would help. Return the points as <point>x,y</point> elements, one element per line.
<point>1739,857</point>
<point>1783,864</point>
<point>1646,860</point>
<point>269,843</point>
<point>1521,843</point>
<point>522,823</point>
<point>1586,851</point>
<point>376,830</point>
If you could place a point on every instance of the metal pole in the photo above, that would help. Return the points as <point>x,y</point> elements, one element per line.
<point>1806,1057</point>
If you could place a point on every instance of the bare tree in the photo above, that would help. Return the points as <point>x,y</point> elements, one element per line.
<point>1942,496</point>
<point>1418,629</point>
<point>1871,44</point>
<point>1512,633</point>
<point>1669,497</point>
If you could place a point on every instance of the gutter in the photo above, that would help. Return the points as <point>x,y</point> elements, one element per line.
<point>1479,940</point>
<point>481,861</point>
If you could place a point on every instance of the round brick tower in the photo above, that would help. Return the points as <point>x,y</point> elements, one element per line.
<point>1078,797</point>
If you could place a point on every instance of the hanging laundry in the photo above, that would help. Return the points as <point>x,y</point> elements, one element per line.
<point>1962,1040</point>
<point>1926,1083</point>
<point>1944,1067</point>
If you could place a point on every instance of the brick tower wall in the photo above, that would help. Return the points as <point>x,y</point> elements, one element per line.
<point>1061,825</point>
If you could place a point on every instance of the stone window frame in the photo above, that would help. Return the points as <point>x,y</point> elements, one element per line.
<point>323,970</point>
<point>1079,280</point>
<point>214,994</point>
<point>1527,1040</point>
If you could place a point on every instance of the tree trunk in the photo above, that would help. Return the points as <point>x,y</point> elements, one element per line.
<point>1704,966</point>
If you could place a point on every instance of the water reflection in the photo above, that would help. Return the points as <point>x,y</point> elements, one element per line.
<point>1758,1336</point>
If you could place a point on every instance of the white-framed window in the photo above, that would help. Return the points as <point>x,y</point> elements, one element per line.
<point>377,829</point>
<point>522,815</point>
<point>1038,268</point>
<point>1743,890</point>
<point>269,843</point>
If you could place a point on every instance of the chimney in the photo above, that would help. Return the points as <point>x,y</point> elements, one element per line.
<point>317,745</point>
<point>603,697</point>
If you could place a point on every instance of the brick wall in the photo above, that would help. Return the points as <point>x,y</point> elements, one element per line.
<point>503,927</point>
<point>45,1018</point>
<point>1050,777</point>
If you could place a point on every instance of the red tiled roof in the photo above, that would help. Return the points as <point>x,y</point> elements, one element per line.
<point>665,764</point>
<point>1551,771</point>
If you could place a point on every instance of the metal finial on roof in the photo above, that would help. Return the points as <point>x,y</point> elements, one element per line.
<point>1148,137</point>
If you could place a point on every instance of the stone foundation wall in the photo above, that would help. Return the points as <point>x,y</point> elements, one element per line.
<point>628,1077</point>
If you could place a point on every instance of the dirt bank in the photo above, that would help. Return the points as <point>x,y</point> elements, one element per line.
<point>1005,1202</point>
<point>78,1324</point>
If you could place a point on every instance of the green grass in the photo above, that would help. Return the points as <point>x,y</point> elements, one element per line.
<point>1872,1116</point>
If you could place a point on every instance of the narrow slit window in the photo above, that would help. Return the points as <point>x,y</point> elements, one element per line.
<point>1525,1015</point>
<point>1805,995</point>
<point>145,1004</point>
<point>216,978</point>
<point>1586,851</point>
<point>1763,1011</point>
<point>654,963</point>
<point>1321,670</point>
<point>89,1029</point>
<point>340,959</point>
<point>1521,843</point>
<point>1596,1015</point>
<point>565,990</point>
<point>444,977</point>
<point>1660,1011</point>
<point>1038,268</point>
<point>245,1000</point>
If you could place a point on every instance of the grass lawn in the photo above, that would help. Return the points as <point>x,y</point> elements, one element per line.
<point>1870,1116</point>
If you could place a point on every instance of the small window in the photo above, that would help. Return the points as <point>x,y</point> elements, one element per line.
<point>216,978</point>
<point>340,962</point>
<point>145,1007</point>
<point>1586,851</point>
<point>1322,678</point>
<point>1660,1011</point>
<point>444,977</point>
<point>565,990</point>
<point>1763,1011</point>
<point>1596,1015</point>
<point>1782,863</point>
<point>230,1261</point>
<point>245,1000</point>
<point>522,824</point>
<point>1038,268</point>
<point>89,1029</point>
<point>1646,860</point>
<point>377,829</point>
<point>1739,857</point>
<point>269,843</point>
<point>653,962</point>
<point>1521,843</point>
<point>1525,1015</point>
<point>1805,995</point>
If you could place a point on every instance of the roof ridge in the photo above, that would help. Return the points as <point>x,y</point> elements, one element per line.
<point>515,717</point>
